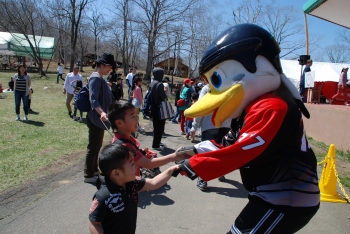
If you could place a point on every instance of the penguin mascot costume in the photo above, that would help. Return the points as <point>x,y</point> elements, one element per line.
<point>267,142</point>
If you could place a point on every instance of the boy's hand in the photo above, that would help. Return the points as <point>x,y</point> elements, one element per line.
<point>173,168</point>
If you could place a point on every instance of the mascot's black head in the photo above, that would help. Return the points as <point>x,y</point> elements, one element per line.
<point>243,42</point>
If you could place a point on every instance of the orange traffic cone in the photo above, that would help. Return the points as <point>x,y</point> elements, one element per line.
<point>328,181</point>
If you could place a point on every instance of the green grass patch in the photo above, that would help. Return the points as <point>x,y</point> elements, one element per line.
<point>343,158</point>
<point>31,149</point>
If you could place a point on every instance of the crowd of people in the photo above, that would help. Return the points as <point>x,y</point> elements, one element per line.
<point>119,165</point>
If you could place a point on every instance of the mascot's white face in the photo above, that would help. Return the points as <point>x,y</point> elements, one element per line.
<point>233,88</point>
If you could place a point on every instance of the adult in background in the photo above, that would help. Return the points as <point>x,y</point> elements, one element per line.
<point>302,80</point>
<point>186,95</point>
<point>112,82</point>
<point>166,82</point>
<point>68,88</point>
<point>60,72</point>
<point>343,78</point>
<point>158,95</point>
<point>208,131</point>
<point>129,79</point>
<point>21,87</point>
<point>100,99</point>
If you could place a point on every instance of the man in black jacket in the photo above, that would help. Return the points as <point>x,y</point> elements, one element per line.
<point>158,95</point>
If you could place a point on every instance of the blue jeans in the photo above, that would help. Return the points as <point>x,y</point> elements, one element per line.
<point>18,96</point>
<point>129,89</point>
<point>189,126</point>
<point>177,114</point>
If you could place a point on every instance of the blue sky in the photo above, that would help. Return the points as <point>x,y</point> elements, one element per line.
<point>327,30</point>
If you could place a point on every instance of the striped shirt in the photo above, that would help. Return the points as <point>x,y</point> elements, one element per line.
<point>21,84</point>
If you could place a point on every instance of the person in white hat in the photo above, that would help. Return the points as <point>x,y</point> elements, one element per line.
<point>343,78</point>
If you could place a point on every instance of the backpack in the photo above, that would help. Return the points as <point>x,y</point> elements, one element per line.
<point>149,106</point>
<point>82,101</point>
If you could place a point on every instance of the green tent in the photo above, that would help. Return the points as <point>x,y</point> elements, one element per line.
<point>17,44</point>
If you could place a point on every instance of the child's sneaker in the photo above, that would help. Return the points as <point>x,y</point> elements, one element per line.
<point>201,184</point>
<point>192,140</point>
<point>140,129</point>
<point>17,118</point>
<point>81,119</point>
<point>91,180</point>
<point>25,118</point>
<point>75,118</point>
<point>183,133</point>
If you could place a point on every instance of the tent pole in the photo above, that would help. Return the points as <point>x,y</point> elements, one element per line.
<point>306,34</point>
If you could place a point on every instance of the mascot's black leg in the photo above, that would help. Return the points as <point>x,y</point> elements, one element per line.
<point>259,216</point>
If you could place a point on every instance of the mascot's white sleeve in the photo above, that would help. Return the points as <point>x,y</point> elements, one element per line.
<point>205,146</point>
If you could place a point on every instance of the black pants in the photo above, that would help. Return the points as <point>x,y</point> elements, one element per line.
<point>259,216</point>
<point>93,148</point>
<point>59,75</point>
<point>158,129</point>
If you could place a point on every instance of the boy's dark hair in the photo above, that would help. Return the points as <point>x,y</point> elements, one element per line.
<point>194,96</point>
<point>117,111</point>
<point>112,156</point>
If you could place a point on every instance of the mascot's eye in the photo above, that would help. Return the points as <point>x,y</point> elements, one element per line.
<point>216,80</point>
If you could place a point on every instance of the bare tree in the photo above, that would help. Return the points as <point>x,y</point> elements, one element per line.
<point>249,11</point>
<point>156,14</point>
<point>338,53</point>
<point>31,24</point>
<point>98,25</point>
<point>73,11</point>
<point>123,13</point>
<point>283,22</point>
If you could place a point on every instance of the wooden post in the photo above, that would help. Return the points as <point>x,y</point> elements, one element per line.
<point>306,34</point>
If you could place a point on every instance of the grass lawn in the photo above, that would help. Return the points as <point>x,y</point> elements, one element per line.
<point>34,148</point>
<point>49,140</point>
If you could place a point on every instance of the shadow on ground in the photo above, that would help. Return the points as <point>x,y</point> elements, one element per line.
<point>35,123</point>
<point>239,191</point>
<point>156,197</point>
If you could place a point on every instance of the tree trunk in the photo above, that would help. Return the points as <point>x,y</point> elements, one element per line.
<point>149,65</point>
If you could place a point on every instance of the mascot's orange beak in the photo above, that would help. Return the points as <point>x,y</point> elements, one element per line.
<point>221,104</point>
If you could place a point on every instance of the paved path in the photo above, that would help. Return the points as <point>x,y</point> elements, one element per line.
<point>177,208</point>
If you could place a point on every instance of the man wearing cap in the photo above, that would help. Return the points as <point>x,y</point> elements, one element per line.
<point>129,79</point>
<point>68,88</point>
<point>166,81</point>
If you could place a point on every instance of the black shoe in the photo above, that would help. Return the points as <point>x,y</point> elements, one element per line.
<point>156,171</point>
<point>70,114</point>
<point>222,178</point>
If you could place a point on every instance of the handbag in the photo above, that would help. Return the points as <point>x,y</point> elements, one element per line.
<point>165,110</point>
<point>136,102</point>
<point>181,102</point>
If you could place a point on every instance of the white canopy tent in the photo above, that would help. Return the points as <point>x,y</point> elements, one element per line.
<point>323,71</point>
<point>335,11</point>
